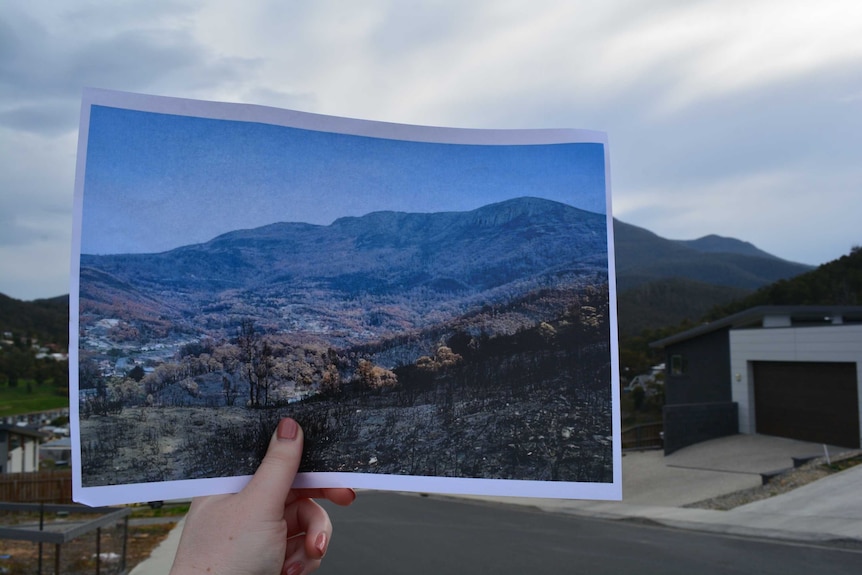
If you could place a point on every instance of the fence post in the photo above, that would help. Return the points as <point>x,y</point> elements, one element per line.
<point>98,550</point>
<point>41,528</point>
<point>125,543</point>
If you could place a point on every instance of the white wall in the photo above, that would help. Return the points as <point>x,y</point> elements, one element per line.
<point>836,343</point>
<point>24,457</point>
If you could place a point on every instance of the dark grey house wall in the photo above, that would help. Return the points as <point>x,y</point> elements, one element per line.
<point>698,404</point>
<point>687,424</point>
<point>705,363</point>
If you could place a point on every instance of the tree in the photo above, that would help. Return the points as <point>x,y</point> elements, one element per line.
<point>229,390</point>
<point>331,381</point>
<point>375,377</point>
<point>137,373</point>
<point>263,365</point>
<point>257,357</point>
<point>246,341</point>
<point>638,396</point>
<point>89,375</point>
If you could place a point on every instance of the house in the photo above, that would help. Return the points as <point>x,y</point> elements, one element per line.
<point>19,448</point>
<point>790,371</point>
<point>59,451</point>
<point>650,383</point>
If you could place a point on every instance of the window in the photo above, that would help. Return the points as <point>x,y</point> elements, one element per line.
<point>677,365</point>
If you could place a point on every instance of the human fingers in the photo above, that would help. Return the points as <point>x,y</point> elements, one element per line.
<point>309,533</point>
<point>268,490</point>
<point>338,495</point>
<point>296,561</point>
<point>308,517</point>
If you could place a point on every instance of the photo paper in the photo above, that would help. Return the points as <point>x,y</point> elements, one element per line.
<point>436,307</point>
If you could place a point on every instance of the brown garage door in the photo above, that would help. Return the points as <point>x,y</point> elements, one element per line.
<point>809,401</point>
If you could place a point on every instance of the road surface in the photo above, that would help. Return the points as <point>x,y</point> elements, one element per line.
<point>385,533</point>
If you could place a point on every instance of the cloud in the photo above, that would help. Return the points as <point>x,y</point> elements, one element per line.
<point>50,56</point>
<point>695,53</point>
<point>794,214</point>
<point>699,98</point>
<point>36,270</point>
<point>48,118</point>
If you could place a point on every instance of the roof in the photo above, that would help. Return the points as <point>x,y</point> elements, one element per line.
<point>28,431</point>
<point>753,317</point>
<point>62,443</point>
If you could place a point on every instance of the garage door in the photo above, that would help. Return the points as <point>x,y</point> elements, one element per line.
<point>809,401</point>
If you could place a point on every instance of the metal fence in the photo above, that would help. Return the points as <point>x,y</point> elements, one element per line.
<point>99,535</point>
<point>644,436</point>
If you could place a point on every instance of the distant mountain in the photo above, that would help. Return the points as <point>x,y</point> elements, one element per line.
<point>391,270</point>
<point>659,309</point>
<point>660,281</point>
<point>664,282</point>
<point>669,302</point>
<point>643,257</point>
<point>719,244</point>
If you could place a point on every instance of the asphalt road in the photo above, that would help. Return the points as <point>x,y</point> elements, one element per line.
<point>393,533</point>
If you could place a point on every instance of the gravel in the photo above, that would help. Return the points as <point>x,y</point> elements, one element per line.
<point>782,483</point>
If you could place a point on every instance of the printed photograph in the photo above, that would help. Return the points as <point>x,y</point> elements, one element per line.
<point>439,306</point>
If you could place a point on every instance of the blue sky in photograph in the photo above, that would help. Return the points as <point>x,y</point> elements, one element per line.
<point>158,181</point>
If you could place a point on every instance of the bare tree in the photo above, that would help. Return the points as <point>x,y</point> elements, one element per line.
<point>257,358</point>
<point>246,341</point>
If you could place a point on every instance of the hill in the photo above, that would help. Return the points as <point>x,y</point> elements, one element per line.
<point>643,256</point>
<point>838,282</point>
<point>720,244</point>
<point>355,279</point>
<point>661,282</point>
<point>47,320</point>
<point>669,302</point>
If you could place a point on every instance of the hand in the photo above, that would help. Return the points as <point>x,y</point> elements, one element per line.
<point>267,528</point>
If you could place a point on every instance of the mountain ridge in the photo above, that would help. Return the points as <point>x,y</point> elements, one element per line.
<point>642,257</point>
<point>418,267</point>
<point>714,243</point>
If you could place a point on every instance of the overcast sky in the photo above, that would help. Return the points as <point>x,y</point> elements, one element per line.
<point>736,117</point>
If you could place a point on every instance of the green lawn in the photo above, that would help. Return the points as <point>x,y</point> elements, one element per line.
<point>16,400</point>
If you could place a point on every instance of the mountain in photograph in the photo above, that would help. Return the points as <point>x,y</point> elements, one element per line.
<point>453,344</point>
<point>355,279</point>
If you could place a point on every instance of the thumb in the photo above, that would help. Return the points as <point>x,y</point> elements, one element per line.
<point>271,483</point>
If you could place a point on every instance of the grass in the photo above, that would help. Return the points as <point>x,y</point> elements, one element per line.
<point>167,510</point>
<point>845,463</point>
<point>28,397</point>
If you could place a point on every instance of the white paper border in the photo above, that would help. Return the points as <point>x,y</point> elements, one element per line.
<point>167,490</point>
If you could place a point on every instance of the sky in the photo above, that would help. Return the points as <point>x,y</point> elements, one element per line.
<point>741,118</point>
<point>156,179</point>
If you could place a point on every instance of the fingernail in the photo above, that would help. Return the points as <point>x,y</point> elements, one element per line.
<point>320,544</point>
<point>294,568</point>
<point>287,429</point>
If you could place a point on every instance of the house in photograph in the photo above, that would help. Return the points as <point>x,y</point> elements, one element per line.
<point>789,371</point>
<point>19,448</point>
